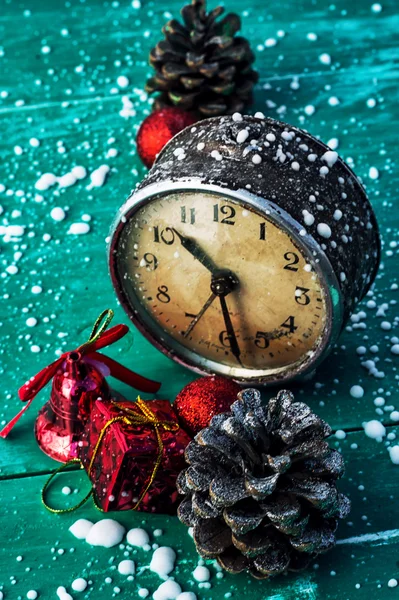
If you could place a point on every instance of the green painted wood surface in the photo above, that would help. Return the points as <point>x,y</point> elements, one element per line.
<point>70,95</point>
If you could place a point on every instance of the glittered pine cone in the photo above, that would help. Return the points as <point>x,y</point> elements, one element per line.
<point>260,489</point>
<point>202,65</point>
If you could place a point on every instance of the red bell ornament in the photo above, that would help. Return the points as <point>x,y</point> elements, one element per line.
<point>78,381</point>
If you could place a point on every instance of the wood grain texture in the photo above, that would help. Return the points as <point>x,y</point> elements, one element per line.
<point>36,535</point>
<point>70,95</point>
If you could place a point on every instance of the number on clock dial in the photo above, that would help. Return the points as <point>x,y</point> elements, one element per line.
<point>167,235</point>
<point>226,210</point>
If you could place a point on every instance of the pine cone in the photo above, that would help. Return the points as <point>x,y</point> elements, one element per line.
<point>201,65</point>
<point>261,487</point>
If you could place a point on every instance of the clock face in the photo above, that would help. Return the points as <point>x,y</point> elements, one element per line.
<point>221,285</point>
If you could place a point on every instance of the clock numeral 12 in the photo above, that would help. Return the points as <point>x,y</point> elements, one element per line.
<point>226,210</point>
<point>183,215</point>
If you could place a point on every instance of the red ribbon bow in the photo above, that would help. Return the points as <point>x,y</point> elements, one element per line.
<point>99,338</point>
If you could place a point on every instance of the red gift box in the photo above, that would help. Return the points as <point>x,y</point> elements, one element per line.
<point>133,453</point>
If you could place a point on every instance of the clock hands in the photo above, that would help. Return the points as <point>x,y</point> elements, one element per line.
<point>200,314</point>
<point>222,283</point>
<point>197,252</point>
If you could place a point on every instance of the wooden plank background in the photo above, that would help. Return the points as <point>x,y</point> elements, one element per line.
<point>69,98</point>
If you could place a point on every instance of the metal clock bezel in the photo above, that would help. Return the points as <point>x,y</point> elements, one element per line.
<point>311,248</point>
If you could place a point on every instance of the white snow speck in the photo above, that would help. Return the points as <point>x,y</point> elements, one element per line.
<point>45,181</point>
<point>66,180</point>
<point>127,567</point>
<point>256,159</point>
<point>324,230</point>
<point>32,595</point>
<point>330,157</point>
<point>333,101</point>
<point>79,229</point>
<point>137,537</point>
<point>356,391</point>
<point>98,177</point>
<point>394,454</point>
<point>308,218</point>
<point>168,590</point>
<point>163,561</point>
<point>36,289</point>
<point>79,172</point>
<point>79,584</point>
<point>333,143</point>
<point>376,8</point>
<point>325,59</point>
<point>80,529</point>
<point>201,574</point>
<point>374,429</point>
<point>106,533</point>
<point>310,110</point>
<point>58,214</point>
<point>242,136</point>
<point>122,81</point>
<point>31,322</point>
<point>374,173</point>
<point>237,117</point>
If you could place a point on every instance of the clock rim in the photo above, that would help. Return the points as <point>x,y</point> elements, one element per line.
<point>308,245</point>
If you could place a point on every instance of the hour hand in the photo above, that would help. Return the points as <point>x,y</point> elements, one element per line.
<point>197,252</point>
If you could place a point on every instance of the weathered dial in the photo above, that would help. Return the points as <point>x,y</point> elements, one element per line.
<point>219,279</point>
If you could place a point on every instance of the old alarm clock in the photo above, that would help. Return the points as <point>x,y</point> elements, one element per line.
<point>245,249</point>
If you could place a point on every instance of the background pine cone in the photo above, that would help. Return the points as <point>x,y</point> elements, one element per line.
<point>261,486</point>
<point>201,65</point>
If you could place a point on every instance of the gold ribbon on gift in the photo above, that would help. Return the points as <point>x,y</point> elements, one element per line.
<point>130,418</point>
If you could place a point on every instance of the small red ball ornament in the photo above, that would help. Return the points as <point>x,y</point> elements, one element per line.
<point>158,128</point>
<point>203,398</point>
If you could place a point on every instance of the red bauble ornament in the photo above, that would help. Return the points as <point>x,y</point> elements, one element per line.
<point>203,398</point>
<point>158,128</point>
<point>78,380</point>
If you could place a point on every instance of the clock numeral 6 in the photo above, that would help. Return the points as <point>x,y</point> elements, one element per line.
<point>261,340</point>
<point>294,258</point>
<point>224,339</point>
<point>226,210</point>
<point>167,235</point>
<point>301,296</point>
<point>149,261</point>
<point>289,324</point>
<point>163,295</point>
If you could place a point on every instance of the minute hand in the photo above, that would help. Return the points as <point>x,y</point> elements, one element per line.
<point>197,252</point>
<point>235,349</point>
